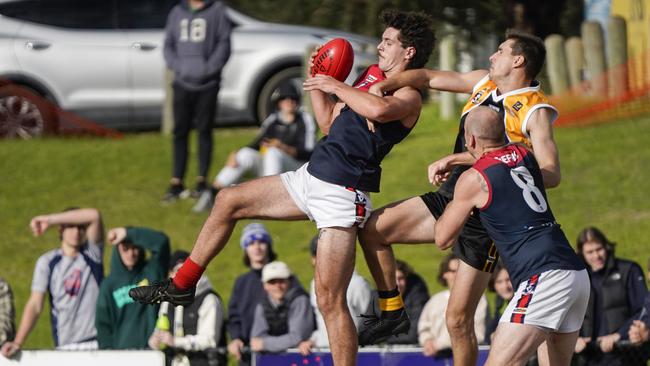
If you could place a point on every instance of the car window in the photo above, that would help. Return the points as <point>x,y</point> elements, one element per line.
<point>78,14</point>
<point>143,14</point>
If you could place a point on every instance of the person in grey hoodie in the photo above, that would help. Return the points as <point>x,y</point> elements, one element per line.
<point>197,47</point>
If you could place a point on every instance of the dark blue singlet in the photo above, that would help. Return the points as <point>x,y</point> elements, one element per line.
<point>518,218</point>
<point>351,155</point>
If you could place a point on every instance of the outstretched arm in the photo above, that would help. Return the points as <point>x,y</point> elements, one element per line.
<point>540,130</point>
<point>471,191</point>
<point>421,79</point>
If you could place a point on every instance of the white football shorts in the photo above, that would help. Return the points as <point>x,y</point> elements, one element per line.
<point>327,204</point>
<point>555,300</point>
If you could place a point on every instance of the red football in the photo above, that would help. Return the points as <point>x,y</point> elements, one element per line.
<point>334,58</point>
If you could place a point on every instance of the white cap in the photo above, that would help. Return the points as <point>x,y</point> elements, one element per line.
<point>275,270</point>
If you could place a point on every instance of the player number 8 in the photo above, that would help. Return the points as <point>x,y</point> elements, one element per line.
<point>532,195</point>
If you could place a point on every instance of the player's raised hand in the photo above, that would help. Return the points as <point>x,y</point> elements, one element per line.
<point>39,224</point>
<point>116,235</point>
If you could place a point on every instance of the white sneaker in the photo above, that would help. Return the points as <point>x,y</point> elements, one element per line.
<point>205,201</point>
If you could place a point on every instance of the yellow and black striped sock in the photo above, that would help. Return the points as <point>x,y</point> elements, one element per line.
<point>390,303</point>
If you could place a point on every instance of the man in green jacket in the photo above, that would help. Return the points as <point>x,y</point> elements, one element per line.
<point>122,323</point>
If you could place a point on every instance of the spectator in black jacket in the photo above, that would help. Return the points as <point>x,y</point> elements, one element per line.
<point>285,142</point>
<point>248,290</point>
<point>618,290</point>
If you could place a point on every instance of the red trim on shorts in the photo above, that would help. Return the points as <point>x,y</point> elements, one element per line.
<point>360,207</point>
<point>519,312</point>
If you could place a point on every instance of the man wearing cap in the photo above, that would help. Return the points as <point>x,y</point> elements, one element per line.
<point>121,322</point>
<point>285,142</point>
<point>248,290</point>
<point>284,318</point>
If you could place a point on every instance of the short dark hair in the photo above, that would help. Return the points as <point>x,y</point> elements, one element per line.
<point>531,47</point>
<point>444,268</point>
<point>594,234</point>
<point>416,30</point>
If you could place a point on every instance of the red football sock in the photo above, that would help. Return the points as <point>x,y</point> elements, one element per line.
<point>188,275</point>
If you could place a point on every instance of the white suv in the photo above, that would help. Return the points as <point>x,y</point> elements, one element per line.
<point>102,60</point>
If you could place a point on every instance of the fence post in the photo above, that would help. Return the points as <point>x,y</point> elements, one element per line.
<point>447,62</point>
<point>167,123</point>
<point>575,61</point>
<point>592,38</point>
<point>556,66</point>
<point>617,56</point>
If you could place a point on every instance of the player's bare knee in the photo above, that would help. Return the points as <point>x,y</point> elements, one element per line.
<point>329,300</point>
<point>458,322</point>
<point>227,202</point>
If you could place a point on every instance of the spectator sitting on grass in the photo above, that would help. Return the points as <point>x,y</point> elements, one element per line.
<point>285,142</point>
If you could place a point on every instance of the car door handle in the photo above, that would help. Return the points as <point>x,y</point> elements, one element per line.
<point>144,46</point>
<point>37,45</point>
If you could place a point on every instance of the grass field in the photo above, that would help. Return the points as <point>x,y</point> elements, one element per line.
<point>605,182</point>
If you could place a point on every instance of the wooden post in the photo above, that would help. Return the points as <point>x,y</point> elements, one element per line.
<point>447,62</point>
<point>556,64</point>
<point>167,123</point>
<point>594,47</point>
<point>575,61</point>
<point>617,56</point>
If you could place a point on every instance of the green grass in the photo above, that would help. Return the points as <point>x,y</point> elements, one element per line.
<point>604,183</point>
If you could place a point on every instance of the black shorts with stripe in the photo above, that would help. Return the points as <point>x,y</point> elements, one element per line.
<point>474,247</point>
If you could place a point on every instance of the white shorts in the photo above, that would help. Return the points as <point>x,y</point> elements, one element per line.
<point>329,205</point>
<point>555,300</point>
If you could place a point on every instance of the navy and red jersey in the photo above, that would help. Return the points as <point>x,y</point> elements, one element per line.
<point>518,218</point>
<point>351,155</point>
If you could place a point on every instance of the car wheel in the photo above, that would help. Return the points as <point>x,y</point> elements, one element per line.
<point>24,113</point>
<point>291,76</point>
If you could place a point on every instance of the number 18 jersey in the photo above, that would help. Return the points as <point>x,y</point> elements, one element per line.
<point>518,218</point>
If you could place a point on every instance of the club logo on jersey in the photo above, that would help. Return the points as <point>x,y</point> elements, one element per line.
<point>369,80</point>
<point>72,283</point>
<point>476,99</point>
<point>517,106</point>
<point>508,158</point>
